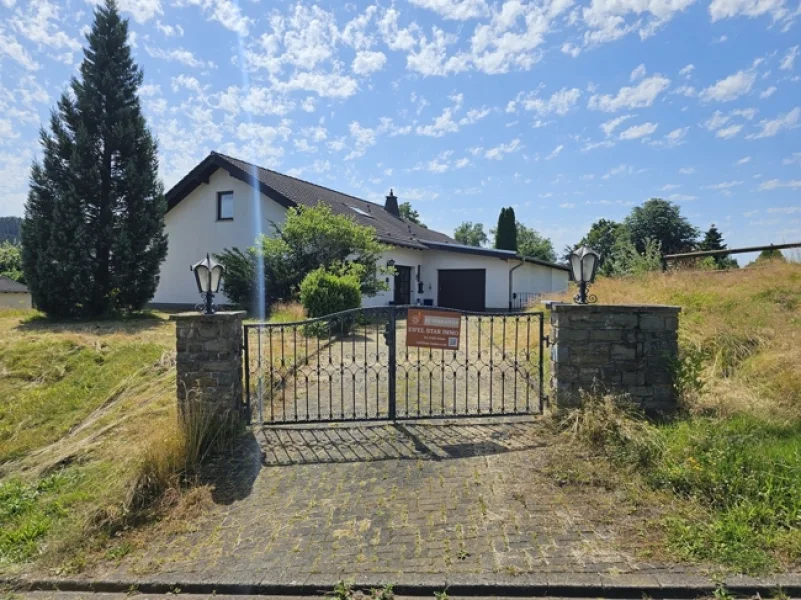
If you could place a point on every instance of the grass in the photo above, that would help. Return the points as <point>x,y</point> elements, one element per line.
<point>734,453</point>
<point>90,441</point>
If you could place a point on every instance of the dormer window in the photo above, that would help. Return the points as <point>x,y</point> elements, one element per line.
<point>225,206</point>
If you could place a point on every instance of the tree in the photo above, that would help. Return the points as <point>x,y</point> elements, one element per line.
<point>11,262</point>
<point>408,213</point>
<point>661,220</point>
<point>713,240</point>
<point>93,234</point>
<point>531,244</point>
<point>506,232</point>
<point>627,260</point>
<point>10,229</point>
<point>470,234</point>
<point>602,237</point>
<point>309,239</point>
<point>771,254</point>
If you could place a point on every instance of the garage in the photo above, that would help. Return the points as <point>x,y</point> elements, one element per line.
<point>464,289</point>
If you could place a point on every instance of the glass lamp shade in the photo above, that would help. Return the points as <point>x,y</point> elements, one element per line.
<point>208,274</point>
<point>583,265</point>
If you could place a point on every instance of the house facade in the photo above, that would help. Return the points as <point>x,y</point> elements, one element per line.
<point>224,202</point>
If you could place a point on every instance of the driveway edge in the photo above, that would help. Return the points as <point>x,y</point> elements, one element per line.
<point>564,585</point>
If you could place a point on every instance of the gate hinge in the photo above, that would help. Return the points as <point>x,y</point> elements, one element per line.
<point>547,340</point>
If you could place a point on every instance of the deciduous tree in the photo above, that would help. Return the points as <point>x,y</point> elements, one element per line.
<point>470,234</point>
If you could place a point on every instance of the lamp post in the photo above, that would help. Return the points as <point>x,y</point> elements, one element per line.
<point>583,265</point>
<point>208,274</point>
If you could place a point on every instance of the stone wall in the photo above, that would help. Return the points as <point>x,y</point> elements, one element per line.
<point>621,349</point>
<point>209,360</point>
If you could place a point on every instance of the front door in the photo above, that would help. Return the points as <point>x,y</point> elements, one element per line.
<point>403,285</point>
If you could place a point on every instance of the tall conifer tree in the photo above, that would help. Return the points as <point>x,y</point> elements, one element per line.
<point>93,235</point>
<point>506,232</point>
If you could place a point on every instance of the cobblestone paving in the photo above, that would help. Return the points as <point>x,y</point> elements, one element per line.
<point>388,502</point>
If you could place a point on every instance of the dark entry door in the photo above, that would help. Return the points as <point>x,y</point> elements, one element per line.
<point>403,285</point>
<point>464,289</point>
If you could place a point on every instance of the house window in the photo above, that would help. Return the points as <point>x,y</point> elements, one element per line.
<point>225,206</point>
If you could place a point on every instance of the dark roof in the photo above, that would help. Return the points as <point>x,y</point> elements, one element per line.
<point>503,254</point>
<point>9,285</point>
<point>290,191</point>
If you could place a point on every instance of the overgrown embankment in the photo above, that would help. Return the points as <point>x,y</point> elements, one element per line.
<point>735,451</point>
<point>84,406</point>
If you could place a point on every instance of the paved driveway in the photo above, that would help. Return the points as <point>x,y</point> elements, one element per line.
<point>466,501</point>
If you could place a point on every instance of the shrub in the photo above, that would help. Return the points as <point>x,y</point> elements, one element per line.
<point>239,274</point>
<point>323,292</point>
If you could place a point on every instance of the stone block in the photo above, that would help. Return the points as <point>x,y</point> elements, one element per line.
<point>622,352</point>
<point>606,335</point>
<point>652,322</point>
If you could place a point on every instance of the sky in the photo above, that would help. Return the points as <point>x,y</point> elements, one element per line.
<point>567,110</point>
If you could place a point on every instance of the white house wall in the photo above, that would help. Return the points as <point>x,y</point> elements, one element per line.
<point>193,230</point>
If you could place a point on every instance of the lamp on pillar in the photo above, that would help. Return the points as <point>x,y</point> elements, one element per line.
<point>583,266</point>
<point>208,274</point>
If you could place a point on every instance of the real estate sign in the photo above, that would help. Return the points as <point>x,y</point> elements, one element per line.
<point>433,329</point>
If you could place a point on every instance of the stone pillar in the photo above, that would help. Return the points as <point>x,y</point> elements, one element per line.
<point>209,360</point>
<point>625,350</point>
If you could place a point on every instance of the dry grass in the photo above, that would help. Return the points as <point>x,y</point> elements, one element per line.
<point>90,439</point>
<point>743,327</point>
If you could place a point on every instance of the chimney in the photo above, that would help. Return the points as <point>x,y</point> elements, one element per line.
<point>392,204</point>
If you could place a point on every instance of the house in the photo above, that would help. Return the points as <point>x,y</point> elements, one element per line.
<point>13,294</point>
<point>225,202</point>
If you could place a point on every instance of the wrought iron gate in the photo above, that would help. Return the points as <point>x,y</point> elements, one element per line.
<point>355,366</point>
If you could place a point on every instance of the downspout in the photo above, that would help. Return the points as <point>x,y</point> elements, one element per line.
<point>511,278</point>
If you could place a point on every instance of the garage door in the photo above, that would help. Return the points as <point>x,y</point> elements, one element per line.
<point>464,289</point>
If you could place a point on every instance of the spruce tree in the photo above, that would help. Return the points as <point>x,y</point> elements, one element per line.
<point>93,235</point>
<point>506,232</point>
<point>713,240</point>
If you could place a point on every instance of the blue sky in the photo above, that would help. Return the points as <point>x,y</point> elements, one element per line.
<point>569,111</point>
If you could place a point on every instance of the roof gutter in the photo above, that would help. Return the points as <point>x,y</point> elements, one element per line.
<point>511,279</point>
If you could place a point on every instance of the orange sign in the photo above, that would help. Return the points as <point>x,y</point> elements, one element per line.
<point>433,328</point>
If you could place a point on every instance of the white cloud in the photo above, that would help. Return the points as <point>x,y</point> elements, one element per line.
<point>41,25</point>
<point>606,20</point>
<point>559,103</point>
<point>687,91</point>
<point>474,115</point>
<point>325,85</point>
<point>179,55</point>
<point>768,92</point>
<point>555,152</point>
<point>456,10</point>
<point>498,152</point>
<point>786,210</point>
<point>724,9</point>
<point>367,62</point>
<point>724,185</point>
<point>745,113</point>
<point>772,127</point>
<point>676,137</point>
<point>728,132</point>
<point>639,96</point>
<point>638,131</point>
<point>775,184</point>
<point>681,197</point>
<point>687,170</point>
<point>621,169</point>
<point>744,160</point>
<point>571,49</point>
<point>10,47</point>
<point>789,59</point>
<point>170,30</point>
<point>609,126</point>
<point>638,73</point>
<point>226,12</point>
<point>730,88</point>
<point>687,70</point>
<point>794,159</point>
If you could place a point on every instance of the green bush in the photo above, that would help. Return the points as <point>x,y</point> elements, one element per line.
<point>323,292</point>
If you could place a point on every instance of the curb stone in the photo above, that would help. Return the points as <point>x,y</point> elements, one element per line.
<point>565,585</point>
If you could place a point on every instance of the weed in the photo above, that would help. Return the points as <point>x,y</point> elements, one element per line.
<point>343,590</point>
<point>443,595</point>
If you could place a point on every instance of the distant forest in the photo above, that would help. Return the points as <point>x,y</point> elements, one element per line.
<point>10,229</point>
